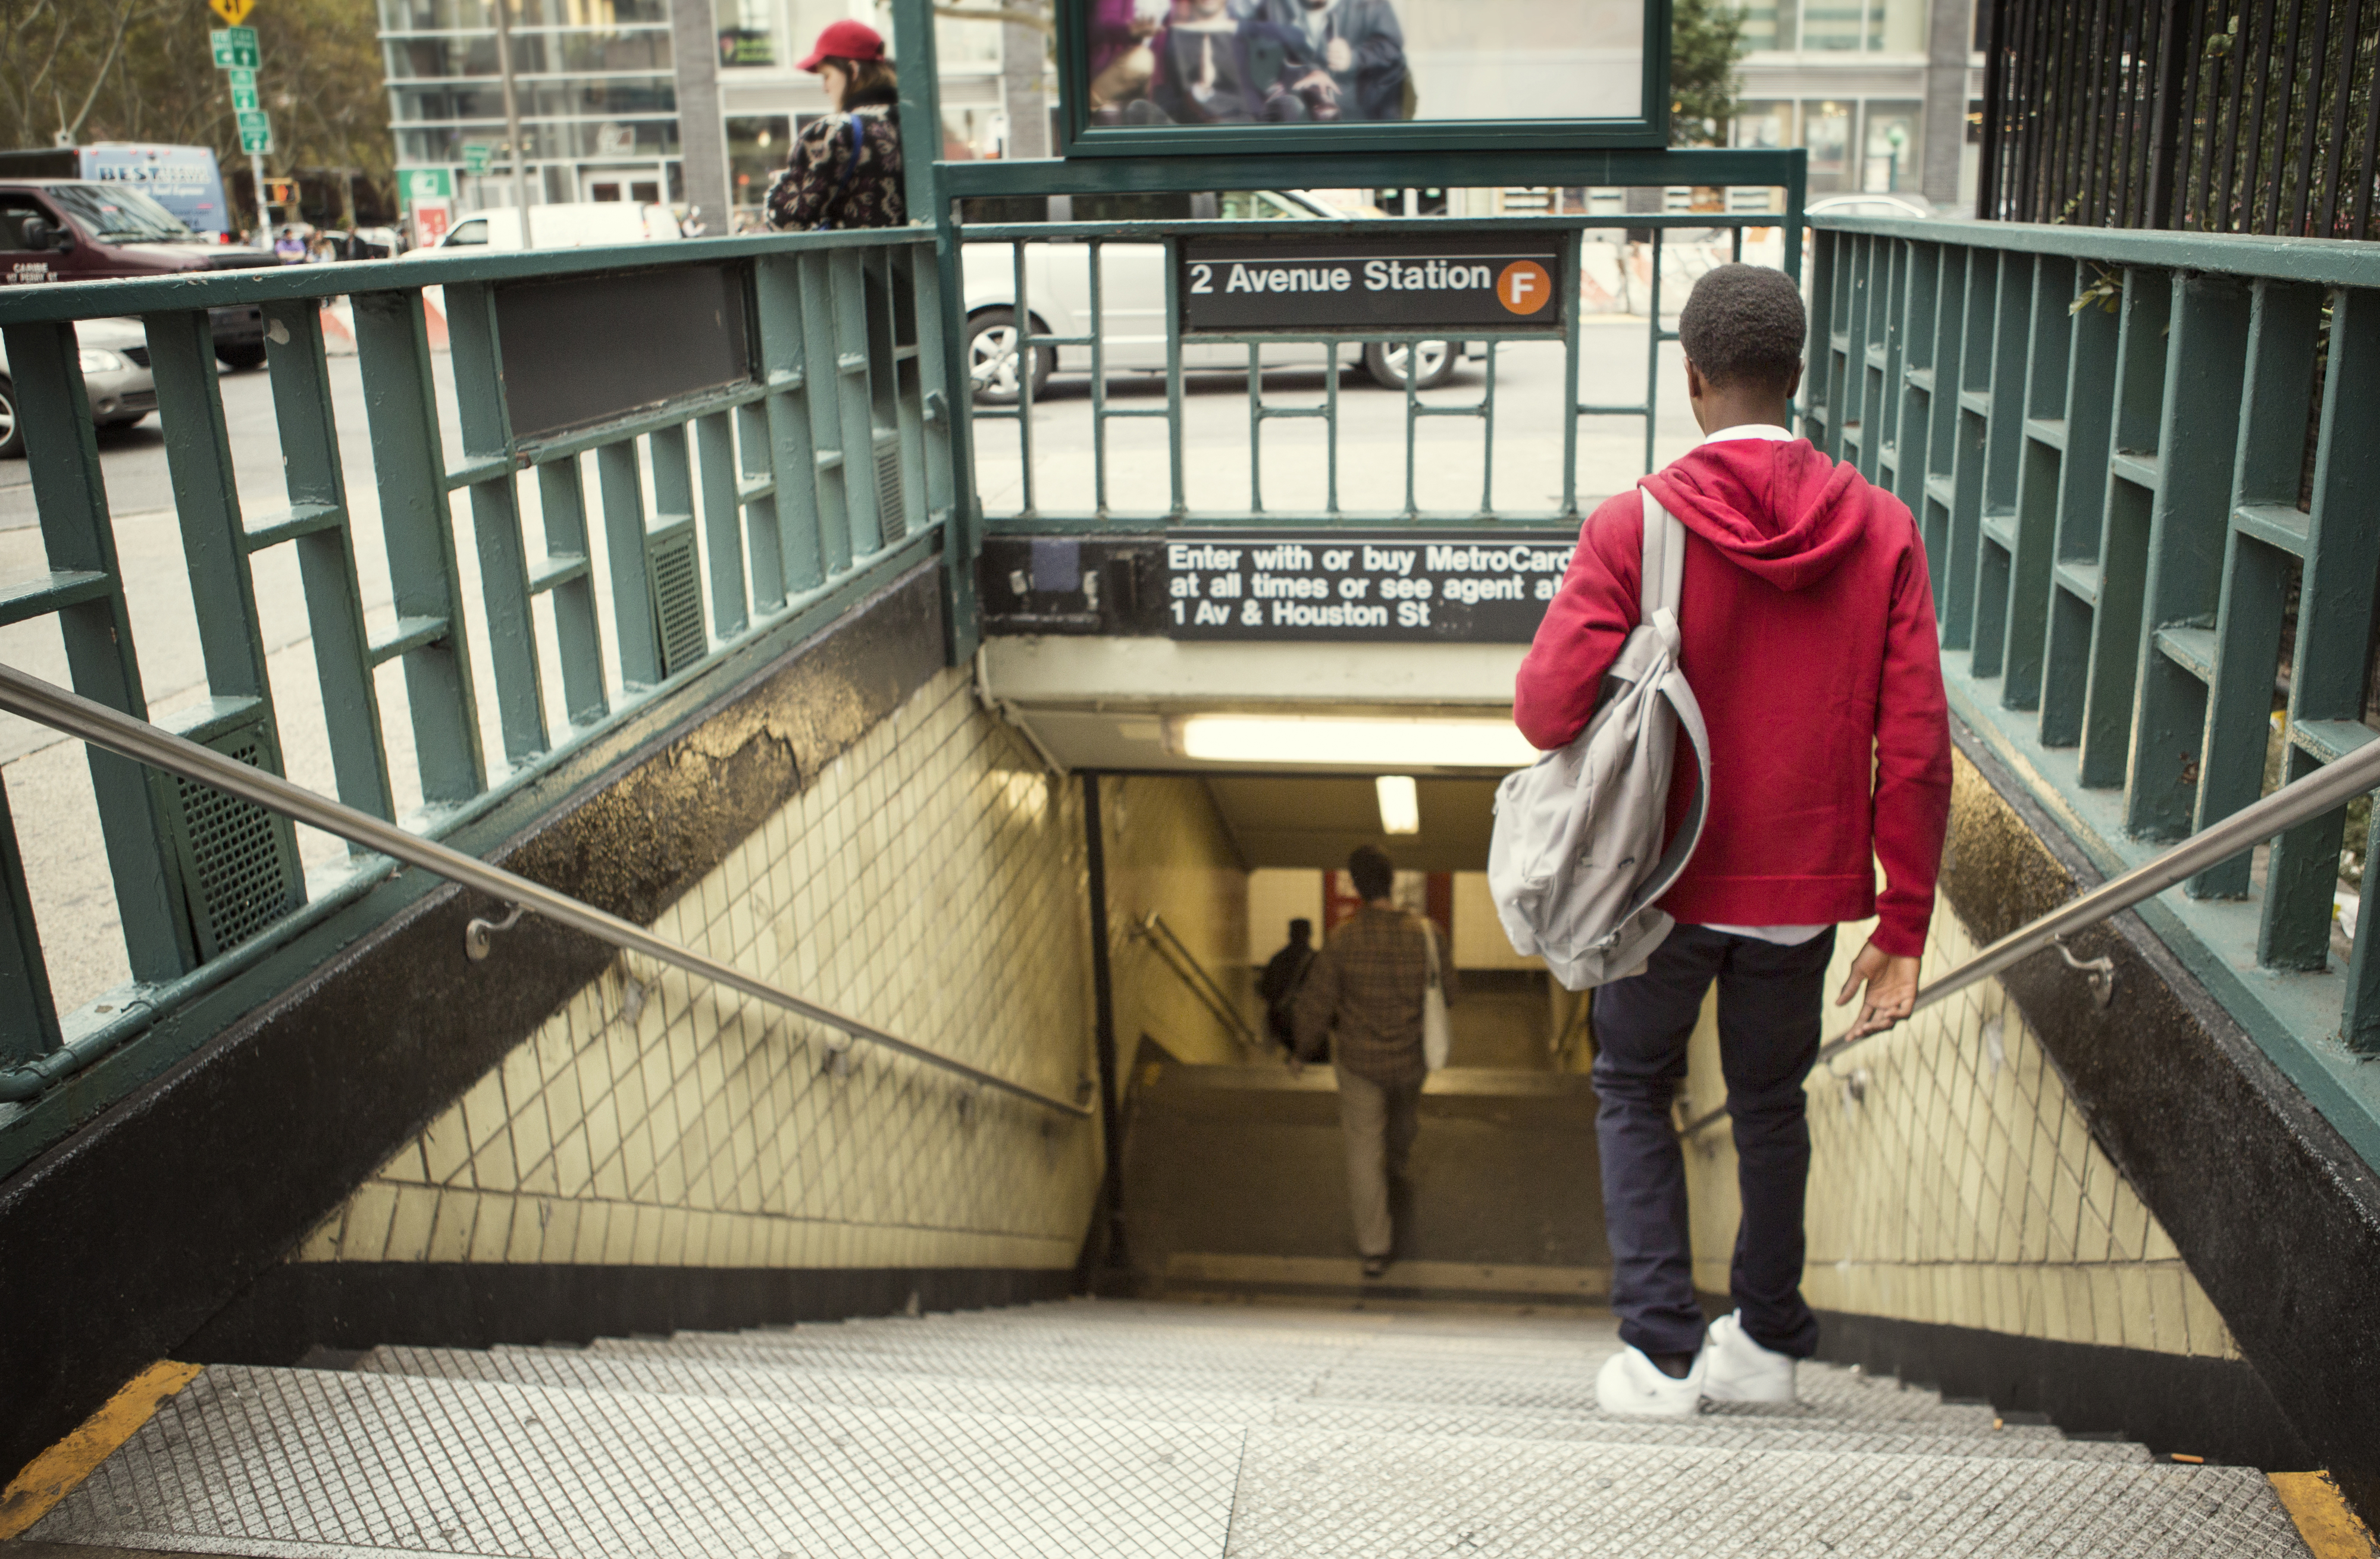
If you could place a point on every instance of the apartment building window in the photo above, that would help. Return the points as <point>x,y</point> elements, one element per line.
<point>1836,26</point>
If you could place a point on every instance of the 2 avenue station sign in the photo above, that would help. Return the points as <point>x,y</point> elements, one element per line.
<point>1388,586</point>
<point>1471,282</point>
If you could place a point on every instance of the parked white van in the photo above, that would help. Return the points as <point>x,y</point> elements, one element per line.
<point>564,225</point>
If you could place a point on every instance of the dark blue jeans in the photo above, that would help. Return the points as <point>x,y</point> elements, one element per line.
<point>1769,1009</point>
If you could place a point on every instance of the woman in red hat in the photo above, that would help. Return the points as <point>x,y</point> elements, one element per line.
<point>845,167</point>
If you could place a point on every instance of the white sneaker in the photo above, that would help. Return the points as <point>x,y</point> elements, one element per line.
<point>1632,1385</point>
<point>1736,1369</point>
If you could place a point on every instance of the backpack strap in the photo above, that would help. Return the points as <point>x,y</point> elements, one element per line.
<point>1664,572</point>
<point>850,165</point>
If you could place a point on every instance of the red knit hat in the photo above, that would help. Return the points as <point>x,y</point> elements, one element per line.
<point>844,39</point>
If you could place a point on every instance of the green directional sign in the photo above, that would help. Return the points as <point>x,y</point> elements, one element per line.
<point>255,120</point>
<point>242,81</point>
<point>476,156</point>
<point>256,143</point>
<point>425,183</point>
<point>235,48</point>
<point>243,100</point>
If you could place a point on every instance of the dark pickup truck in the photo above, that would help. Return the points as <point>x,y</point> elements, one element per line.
<point>79,230</point>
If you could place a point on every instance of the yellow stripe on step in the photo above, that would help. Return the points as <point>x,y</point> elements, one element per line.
<point>52,1475</point>
<point>2329,1527</point>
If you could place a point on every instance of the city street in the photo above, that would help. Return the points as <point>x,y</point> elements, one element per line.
<point>48,782</point>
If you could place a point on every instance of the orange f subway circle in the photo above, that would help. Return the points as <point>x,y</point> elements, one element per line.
<point>1386,586</point>
<point>1425,285</point>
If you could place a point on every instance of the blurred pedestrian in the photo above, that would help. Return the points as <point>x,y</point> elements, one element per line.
<point>1365,994</point>
<point>1279,981</point>
<point>845,166</point>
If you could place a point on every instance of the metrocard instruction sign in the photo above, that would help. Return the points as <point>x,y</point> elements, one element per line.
<point>1473,283</point>
<point>1384,587</point>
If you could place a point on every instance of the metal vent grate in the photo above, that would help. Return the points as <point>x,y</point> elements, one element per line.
<point>241,864</point>
<point>890,513</point>
<point>677,574</point>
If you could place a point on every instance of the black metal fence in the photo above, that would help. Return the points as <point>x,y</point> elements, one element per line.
<point>2212,116</point>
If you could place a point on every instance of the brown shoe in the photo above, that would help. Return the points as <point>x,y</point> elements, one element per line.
<point>1375,1265</point>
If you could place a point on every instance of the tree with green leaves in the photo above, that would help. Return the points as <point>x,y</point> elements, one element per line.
<point>1706,44</point>
<point>91,70</point>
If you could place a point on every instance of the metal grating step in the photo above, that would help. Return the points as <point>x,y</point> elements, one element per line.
<point>590,1371</point>
<point>1387,1497</point>
<point>287,1462</point>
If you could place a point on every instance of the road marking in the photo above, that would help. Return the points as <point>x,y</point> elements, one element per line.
<point>2329,1527</point>
<point>54,1474</point>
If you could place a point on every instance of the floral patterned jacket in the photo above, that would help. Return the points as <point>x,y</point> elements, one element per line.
<point>844,171</point>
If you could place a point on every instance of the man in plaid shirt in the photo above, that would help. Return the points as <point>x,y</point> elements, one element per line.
<point>1363,994</point>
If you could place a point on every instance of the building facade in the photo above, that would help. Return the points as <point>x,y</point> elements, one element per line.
<point>1886,95</point>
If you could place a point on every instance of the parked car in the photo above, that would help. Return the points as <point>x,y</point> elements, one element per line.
<point>81,230</point>
<point>562,225</point>
<point>1871,204</point>
<point>1132,289</point>
<point>115,375</point>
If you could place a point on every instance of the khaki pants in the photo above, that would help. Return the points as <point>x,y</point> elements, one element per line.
<point>1379,1123</point>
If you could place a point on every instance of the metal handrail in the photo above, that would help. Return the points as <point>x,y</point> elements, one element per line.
<point>2301,801</point>
<point>1174,953</point>
<point>137,740</point>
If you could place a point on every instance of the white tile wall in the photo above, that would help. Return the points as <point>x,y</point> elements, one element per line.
<point>931,882</point>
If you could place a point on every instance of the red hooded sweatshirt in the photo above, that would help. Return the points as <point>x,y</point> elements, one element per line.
<point>1807,620</point>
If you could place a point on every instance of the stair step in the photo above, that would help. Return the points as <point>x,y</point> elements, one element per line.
<point>1562,1384</point>
<point>593,1372</point>
<point>345,1463</point>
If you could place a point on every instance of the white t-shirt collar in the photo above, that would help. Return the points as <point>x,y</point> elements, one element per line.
<point>1768,430</point>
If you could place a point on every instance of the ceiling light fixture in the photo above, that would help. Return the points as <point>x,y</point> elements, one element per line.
<point>1400,804</point>
<point>1343,741</point>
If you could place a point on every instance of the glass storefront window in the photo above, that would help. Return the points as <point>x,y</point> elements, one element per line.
<point>1891,160</point>
<point>1837,26</point>
<point>750,34</point>
<point>1827,131</point>
<point>757,147</point>
<point>1768,126</point>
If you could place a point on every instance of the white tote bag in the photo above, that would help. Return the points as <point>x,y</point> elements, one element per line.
<point>1436,1035</point>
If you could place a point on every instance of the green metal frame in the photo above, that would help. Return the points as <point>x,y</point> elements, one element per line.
<point>2105,438</point>
<point>1570,234</point>
<point>1079,137</point>
<point>751,477</point>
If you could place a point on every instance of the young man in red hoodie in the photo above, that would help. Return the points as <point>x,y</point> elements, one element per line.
<point>1807,622</point>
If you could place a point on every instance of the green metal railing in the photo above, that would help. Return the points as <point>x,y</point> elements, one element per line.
<point>2143,466</point>
<point>754,474</point>
<point>1569,233</point>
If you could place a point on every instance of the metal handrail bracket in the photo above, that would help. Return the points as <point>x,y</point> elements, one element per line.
<point>1175,954</point>
<point>102,727</point>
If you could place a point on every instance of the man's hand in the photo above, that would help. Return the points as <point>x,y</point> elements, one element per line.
<point>1891,990</point>
<point>1338,55</point>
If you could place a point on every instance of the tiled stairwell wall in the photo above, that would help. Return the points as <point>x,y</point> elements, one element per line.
<point>1953,1182</point>
<point>1169,850</point>
<point>931,882</point>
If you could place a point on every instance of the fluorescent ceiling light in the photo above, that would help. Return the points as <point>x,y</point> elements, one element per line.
<point>1400,804</point>
<point>1331,741</point>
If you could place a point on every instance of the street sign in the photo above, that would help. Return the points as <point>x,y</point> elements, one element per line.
<point>256,143</point>
<point>1425,285</point>
<point>243,100</point>
<point>418,185</point>
<point>1360,587</point>
<point>235,48</point>
<point>475,157</point>
<point>233,12</point>
<point>254,119</point>
<point>243,81</point>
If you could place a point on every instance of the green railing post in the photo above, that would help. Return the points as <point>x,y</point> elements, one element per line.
<point>478,358</point>
<point>393,344</point>
<point>2041,458</point>
<point>822,393</point>
<point>316,483</point>
<point>777,286</point>
<point>29,1013</point>
<point>620,476</point>
<point>62,454</point>
<point>577,629</point>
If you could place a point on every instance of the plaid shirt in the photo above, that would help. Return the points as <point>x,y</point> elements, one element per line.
<point>1365,991</point>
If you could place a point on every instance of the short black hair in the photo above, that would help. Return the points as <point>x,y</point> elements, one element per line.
<point>1375,874</point>
<point>1743,324</point>
<point>1300,929</point>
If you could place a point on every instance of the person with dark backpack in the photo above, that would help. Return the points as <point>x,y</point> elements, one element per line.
<point>844,170</point>
<point>1278,984</point>
<point>1805,626</point>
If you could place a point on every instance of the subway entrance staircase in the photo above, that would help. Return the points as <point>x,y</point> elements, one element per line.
<point>1099,1427</point>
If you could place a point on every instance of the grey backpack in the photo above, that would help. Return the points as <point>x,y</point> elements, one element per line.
<point>1576,863</point>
